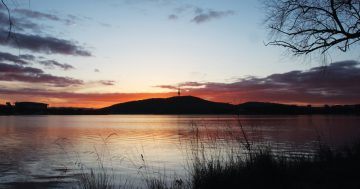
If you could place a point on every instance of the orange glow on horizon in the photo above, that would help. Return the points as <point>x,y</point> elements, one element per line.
<point>100,100</point>
<point>105,100</point>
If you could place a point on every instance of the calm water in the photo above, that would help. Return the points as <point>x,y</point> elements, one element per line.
<point>51,150</point>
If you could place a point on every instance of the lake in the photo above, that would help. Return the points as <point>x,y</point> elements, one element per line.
<point>50,151</point>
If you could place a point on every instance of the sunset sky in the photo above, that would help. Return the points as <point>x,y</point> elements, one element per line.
<point>95,53</point>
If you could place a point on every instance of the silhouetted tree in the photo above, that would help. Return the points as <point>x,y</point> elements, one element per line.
<point>306,26</point>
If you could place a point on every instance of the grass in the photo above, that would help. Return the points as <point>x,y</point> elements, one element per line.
<point>244,165</point>
<point>326,169</point>
<point>95,180</point>
<point>249,166</point>
<point>100,176</point>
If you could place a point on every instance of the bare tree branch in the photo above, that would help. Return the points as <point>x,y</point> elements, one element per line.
<point>307,26</point>
<point>9,18</point>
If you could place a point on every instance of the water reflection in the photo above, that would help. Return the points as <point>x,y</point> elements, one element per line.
<point>52,149</point>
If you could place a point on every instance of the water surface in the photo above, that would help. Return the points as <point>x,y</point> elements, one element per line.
<point>52,150</point>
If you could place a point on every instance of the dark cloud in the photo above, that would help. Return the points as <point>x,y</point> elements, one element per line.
<point>107,82</point>
<point>4,19</point>
<point>198,10</point>
<point>34,75</point>
<point>105,24</point>
<point>171,87</point>
<point>36,14</point>
<point>202,16</point>
<point>25,33</point>
<point>173,17</point>
<point>8,68</point>
<point>27,57</point>
<point>183,8</point>
<point>47,45</point>
<point>337,83</point>
<point>7,57</point>
<point>23,24</point>
<point>41,16</point>
<point>51,64</point>
<point>159,2</point>
<point>185,85</point>
<point>191,84</point>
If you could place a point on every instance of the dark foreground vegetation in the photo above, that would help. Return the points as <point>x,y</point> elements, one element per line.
<point>244,164</point>
<point>326,169</point>
<point>180,105</point>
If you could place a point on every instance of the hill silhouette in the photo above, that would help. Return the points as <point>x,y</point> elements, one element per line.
<point>172,105</point>
<point>270,108</point>
<point>195,105</point>
<point>189,105</point>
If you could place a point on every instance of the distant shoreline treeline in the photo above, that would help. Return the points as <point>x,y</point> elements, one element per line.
<point>180,105</point>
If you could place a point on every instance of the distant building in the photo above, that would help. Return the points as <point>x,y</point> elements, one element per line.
<point>6,109</point>
<point>30,107</point>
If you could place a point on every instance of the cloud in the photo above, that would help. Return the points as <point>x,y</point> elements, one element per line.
<point>14,59</point>
<point>173,17</point>
<point>19,24</point>
<point>183,8</point>
<point>4,18</point>
<point>96,70</point>
<point>34,75</point>
<point>25,33</point>
<point>7,68</point>
<point>185,85</point>
<point>40,44</point>
<point>171,87</point>
<point>337,83</point>
<point>36,14</point>
<point>51,64</point>
<point>191,84</point>
<point>198,10</point>
<point>202,16</point>
<point>107,82</point>
<point>27,57</point>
